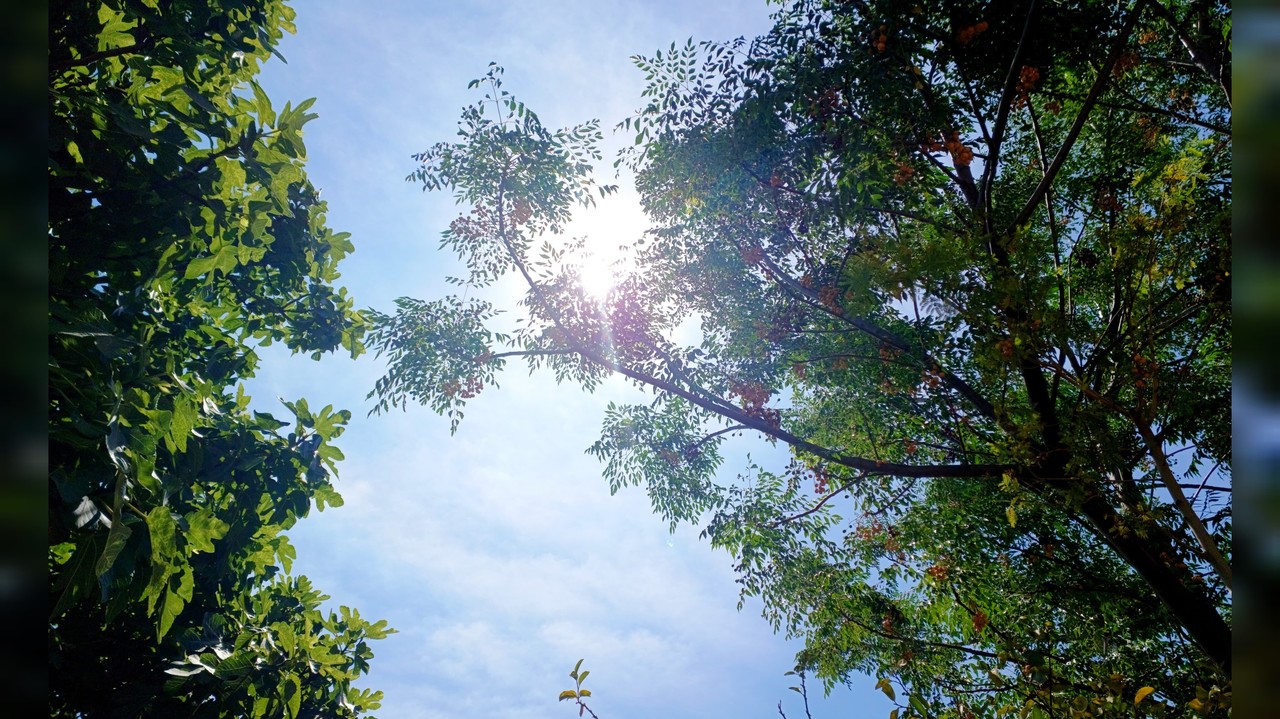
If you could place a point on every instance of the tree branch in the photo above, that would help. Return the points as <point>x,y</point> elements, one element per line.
<point>1136,105</point>
<point>530,353</point>
<point>1100,83</point>
<point>1002,118</point>
<point>143,44</point>
<point>1211,552</point>
<point>844,488</point>
<point>1155,450</point>
<point>1214,70</point>
<point>984,407</point>
<point>717,406</point>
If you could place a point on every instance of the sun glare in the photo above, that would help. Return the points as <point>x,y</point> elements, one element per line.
<point>609,228</point>
<point>598,275</point>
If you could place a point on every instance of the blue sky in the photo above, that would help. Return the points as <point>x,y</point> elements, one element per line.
<point>498,552</point>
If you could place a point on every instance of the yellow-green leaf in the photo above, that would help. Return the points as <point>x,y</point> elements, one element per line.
<point>163,529</point>
<point>169,611</point>
<point>1012,514</point>
<point>287,638</point>
<point>182,423</point>
<point>1143,693</point>
<point>291,694</point>
<point>116,539</point>
<point>568,694</point>
<point>202,530</point>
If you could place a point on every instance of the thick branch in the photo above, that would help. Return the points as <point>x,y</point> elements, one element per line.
<point>870,466</point>
<point>1148,555</point>
<point>1155,448</point>
<point>1192,609</point>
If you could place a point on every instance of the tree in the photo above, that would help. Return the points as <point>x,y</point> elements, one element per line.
<point>970,263</point>
<point>183,233</point>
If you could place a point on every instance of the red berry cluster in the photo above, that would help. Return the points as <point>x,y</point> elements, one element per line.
<point>466,389</point>
<point>752,398</point>
<point>1027,78</point>
<point>966,34</point>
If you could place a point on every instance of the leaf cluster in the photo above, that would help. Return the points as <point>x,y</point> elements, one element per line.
<point>184,234</point>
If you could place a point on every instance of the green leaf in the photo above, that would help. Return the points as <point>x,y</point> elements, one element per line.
<point>163,530</point>
<point>169,611</point>
<point>268,422</point>
<point>117,537</point>
<point>203,528</point>
<point>286,637</point>
<point>76,577</point>
<point>262,105</point>
<point>291,694</point>
<point>379,630</point>
<point>227,259</point>
<point>240,662</point>
<point>232,176</point>
<point>285,176</point>
<point>182,423</point>
<point>114,33</point>
<point>199,266</point>
<point>200,100</point>
<point>325,495</point>
<point>186,583</point>
<point>286,553</point>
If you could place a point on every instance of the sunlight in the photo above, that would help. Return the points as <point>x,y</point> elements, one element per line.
<point>609,229</point>
<point>599,271</point>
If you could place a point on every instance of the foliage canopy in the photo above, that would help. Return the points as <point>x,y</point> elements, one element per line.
<point>970,262</point>
<point>182,234</point>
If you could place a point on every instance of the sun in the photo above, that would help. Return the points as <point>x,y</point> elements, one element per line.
<point>598,273</point>
<point>609,229</point>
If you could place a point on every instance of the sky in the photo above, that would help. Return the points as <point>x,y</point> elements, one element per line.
<point>498,552</point>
